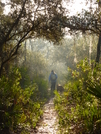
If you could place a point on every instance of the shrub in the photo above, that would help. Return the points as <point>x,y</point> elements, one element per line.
<point>80,112</point>
<point>43,92</point>
<point>17,109</point>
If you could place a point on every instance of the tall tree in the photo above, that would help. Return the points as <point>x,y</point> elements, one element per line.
<point>99,41</point>
<point>40,18</point>
<point>27,19</point>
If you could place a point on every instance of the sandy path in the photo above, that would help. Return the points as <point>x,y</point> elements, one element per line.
<point>48,125</point>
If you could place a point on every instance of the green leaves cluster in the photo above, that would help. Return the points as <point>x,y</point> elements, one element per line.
<point>19,109</point>
<point>28,19</point>
<point>42,88</point>
<point>94,83</point>
<point>79,111</point>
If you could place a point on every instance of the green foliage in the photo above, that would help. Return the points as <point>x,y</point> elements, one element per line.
<point>42,88</point>
<point>17,108</point>
<point>20,19</point>
<point>94,82</point>
<point>79,111</point>
<point>25,79</point>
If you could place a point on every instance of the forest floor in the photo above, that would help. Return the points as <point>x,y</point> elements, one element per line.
<point>49,121</point>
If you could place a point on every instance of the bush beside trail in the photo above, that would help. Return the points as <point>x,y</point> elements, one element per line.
<point>79,108</point>
<point>19,107</point>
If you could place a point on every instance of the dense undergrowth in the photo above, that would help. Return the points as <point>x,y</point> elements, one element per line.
<point>79,107</point>
<point>21,101</point>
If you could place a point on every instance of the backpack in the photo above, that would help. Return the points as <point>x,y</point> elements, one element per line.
<point>53,77</point>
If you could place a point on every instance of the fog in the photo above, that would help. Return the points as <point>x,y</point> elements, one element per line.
<point>43,56</point>
<point>49,56</point>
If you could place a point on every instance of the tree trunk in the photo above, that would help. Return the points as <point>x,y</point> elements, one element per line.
<point>99,41</point>
<point>1,68</point>
<point>98,50</point>
<point>90,50</point>
<point>25,52</point>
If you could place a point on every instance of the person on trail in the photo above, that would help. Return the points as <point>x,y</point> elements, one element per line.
<point>52,79</point>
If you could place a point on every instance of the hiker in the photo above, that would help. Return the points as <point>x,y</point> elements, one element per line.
<point>52,79</point>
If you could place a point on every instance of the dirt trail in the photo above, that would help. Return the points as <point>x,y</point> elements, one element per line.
<point>49,123</point>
